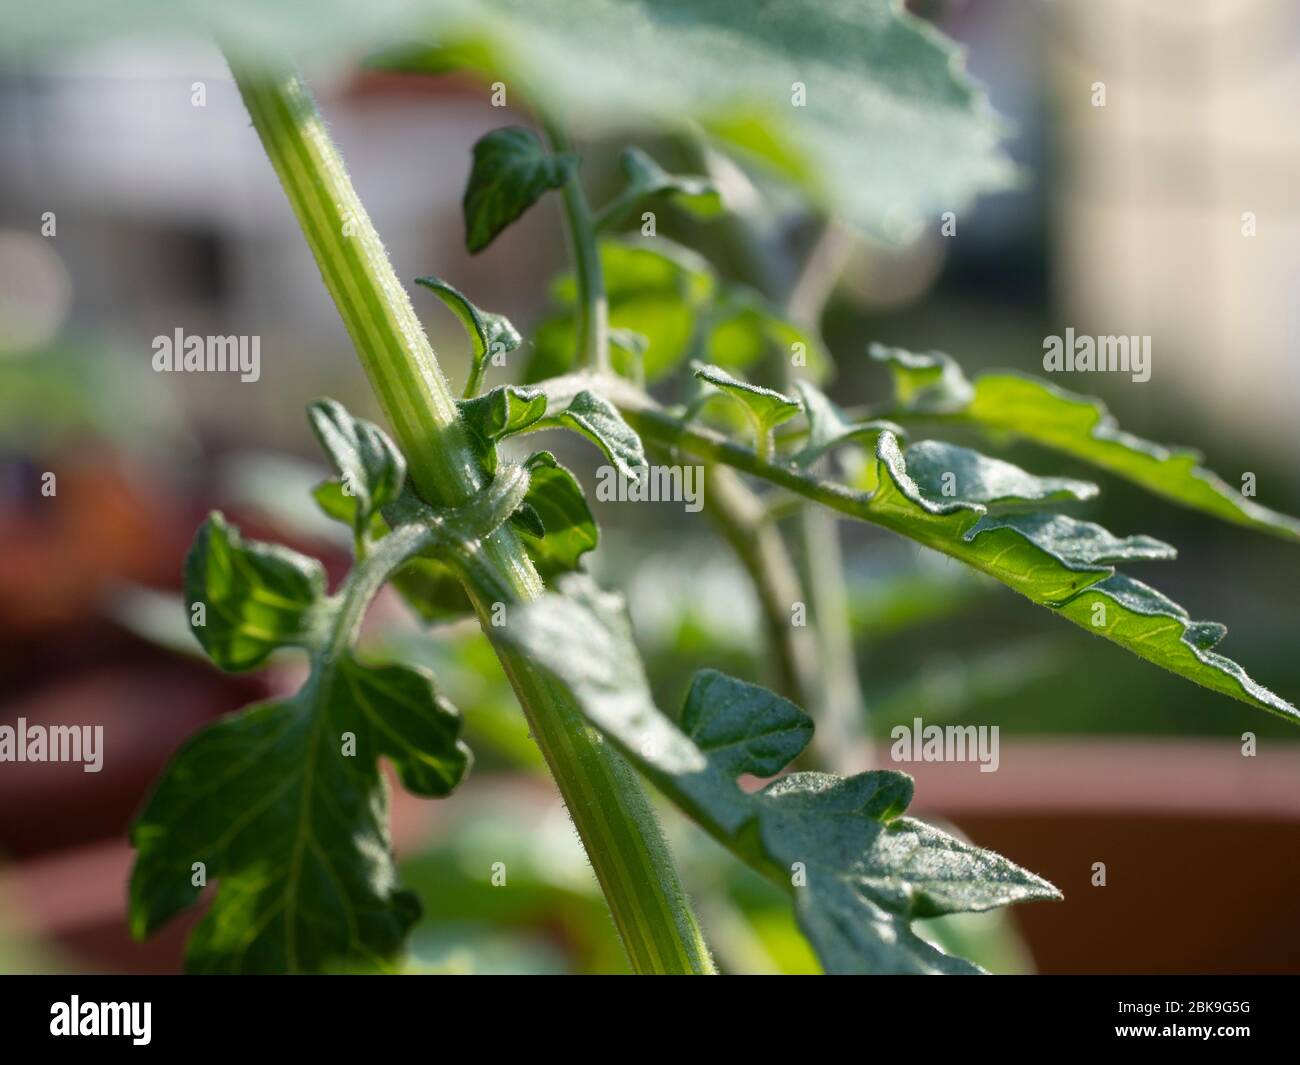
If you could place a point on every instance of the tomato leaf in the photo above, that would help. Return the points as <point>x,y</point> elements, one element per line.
<point>858,872</point>
<point>372,469</point>
<point>492,335</point>
<point>283,804</point>
<point>1074,425</point>
<point>599,420</point>
<point>247,598</point>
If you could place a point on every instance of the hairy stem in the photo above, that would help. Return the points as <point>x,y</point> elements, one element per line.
<point>608,806</point>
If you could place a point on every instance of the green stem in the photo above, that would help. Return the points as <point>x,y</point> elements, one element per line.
<point>608,806</point>
<point>593,306</point>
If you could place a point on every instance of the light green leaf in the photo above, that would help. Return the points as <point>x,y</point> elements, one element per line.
<point>285,807</point>
<point>491,334</point>
<point>372,469</point>
<point>599,420</point>
<point>1055,560</point>
<point>247,598</point>
<point>891,127</point>
<point>859,874</point>
<point>765,407</point>
<point>501,413</point>
<point>511,171</point>
<point>1138,617</point>
<point>646,178</point>
<point>1077,426</point>
<point>658,290</point>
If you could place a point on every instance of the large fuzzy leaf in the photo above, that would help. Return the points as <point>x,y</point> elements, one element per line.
<point>892,127</point>
<point>865,106</point>
<point>1074,425</point>
<point>859,873</point>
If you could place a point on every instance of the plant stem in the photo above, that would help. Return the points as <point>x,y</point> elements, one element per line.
<point>593,306</point>
<point>738,513</point>
<point>608,806</point>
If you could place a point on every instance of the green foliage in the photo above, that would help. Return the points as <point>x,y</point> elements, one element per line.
<point>884,94</point>
<point>1073,425</point>
<point>247,598</point>
<point>859,873</point>
<point>511,171</point>
<point>646,178</point>
<point>491,334</point>
<point>765,408</point>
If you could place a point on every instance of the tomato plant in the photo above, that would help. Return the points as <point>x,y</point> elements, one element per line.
<point>284,805</point>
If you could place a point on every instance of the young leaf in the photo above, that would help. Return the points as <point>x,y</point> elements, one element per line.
<point>511,171</point>
<point>1077,426</point>
<point>283,805</point>
<point>568,529</point>
<point>599,420</point>
<point>858,872</point>
<point>645,177</point>
<point>372,468</point>
<point>765,408</point>
<point>247,598</point>
<point>503,412</point>
<point>491,334</point>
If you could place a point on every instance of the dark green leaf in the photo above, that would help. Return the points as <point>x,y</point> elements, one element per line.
<point>372,469</point>
<point>569,530</point>
<point>947,471</point>
<point>1064,564</point>
<point>858,872</point>
<point>247,598</point>
<point>504,411</point>
<point>285,807</point>
<point>599,420</point>
<point>511,170</point>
